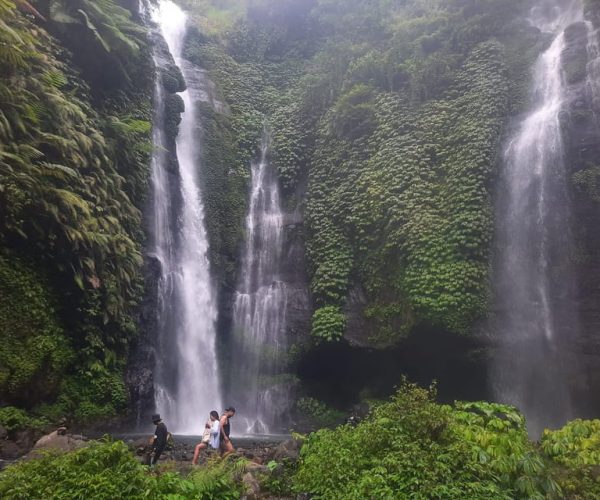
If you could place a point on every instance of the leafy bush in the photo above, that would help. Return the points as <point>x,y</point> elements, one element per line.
<point>108,470</point>
<point>577,443</point>
<point>14,419</point>
<point>219,479</point>
<point>498,438</point>
<point>413,447</point>
<point>328,323</point>
<point>576,450</point>
<point>103,470</point>
<point>318,411</point>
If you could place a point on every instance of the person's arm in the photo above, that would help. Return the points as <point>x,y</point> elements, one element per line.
<point>154,439</point>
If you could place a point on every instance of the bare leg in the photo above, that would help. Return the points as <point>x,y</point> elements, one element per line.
<point>197,450</point>
<point>227,447</point>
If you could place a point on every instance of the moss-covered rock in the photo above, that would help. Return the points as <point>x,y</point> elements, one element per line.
<point>35,351</point>
<point>172,79</point>
<point>174,106</point>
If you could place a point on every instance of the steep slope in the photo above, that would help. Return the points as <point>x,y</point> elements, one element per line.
<point>73,175</point>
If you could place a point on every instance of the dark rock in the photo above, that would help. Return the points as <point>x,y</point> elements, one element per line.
<point>172,79</point>
<point>3,433</point>
<point>9,450</point>
<point>287,450</point>
<point>25,439</point>
<point>251,486</point>
<point>58,440</point>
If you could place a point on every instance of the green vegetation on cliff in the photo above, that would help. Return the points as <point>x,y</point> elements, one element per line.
<point>75,103</point>
<point>386,121</point>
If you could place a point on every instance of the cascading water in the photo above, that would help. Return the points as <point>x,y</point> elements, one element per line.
<point>593,70</point>
<point>186,378</point>
<point>259,312</point>
<point>534,277</point>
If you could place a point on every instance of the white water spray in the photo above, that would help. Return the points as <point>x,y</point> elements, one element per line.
<point>534,280</point>
<point>259,312</point>
<point>187,387</point>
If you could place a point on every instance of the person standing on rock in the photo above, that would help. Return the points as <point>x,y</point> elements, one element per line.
<point>226,445</point>
<point>211,436</point>
<point>159,442</point>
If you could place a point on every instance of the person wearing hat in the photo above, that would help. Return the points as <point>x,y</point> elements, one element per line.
<point>225,430</point>
<point>159,442</point>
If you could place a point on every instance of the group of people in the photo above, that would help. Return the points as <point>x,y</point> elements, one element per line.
<point>215,436</point>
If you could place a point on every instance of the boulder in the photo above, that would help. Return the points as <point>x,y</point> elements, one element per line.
<point>289,450</point>
<point>251,485</point>
<point>59,440</point>
<point>254,468</point>
<point>10,450</point>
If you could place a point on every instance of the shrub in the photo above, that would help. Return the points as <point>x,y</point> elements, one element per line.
<point>103,470</point>
<point>328,323</point>
<point>219,479</point>
<point>14,420</point>
<point>318,411</point>
<point>575,449</point>
<point>413,447</point>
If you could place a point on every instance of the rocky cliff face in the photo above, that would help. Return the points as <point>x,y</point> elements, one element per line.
<point>582,133</point>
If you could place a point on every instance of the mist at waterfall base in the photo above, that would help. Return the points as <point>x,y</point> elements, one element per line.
<point>256,384</point>
<point>535,284</point>
<point>186,379</point>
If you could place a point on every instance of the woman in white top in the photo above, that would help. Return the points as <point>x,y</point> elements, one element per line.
<point>210,437</point>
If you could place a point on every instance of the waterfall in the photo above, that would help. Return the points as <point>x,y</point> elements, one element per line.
<point>186,376</point>
<point>259,311</point>
<point>534,278</point>
<point>593,70</point>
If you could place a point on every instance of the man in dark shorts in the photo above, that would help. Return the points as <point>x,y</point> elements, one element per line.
<point>226,445</point>
<point>159,442</point>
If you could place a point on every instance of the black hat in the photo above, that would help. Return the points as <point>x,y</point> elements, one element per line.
<point>155,417</point>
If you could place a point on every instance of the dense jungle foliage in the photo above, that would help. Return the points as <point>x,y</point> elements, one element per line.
<point>409,447</point>
<point>75,103</point>
<point>386,119</point>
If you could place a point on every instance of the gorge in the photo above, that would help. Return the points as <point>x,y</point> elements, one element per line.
<point>295,207</point>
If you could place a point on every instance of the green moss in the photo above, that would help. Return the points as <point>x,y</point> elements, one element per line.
<point>588,181</point>
<point>35,352</point>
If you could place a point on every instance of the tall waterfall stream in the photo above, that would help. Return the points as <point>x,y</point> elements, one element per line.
<point>259,311</point>
<point>534,277</point>
<point>187,384</point>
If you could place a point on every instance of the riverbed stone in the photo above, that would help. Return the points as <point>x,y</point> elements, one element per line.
<point>287,450</point>
<point>251,485</point>
<point>58,440</point>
